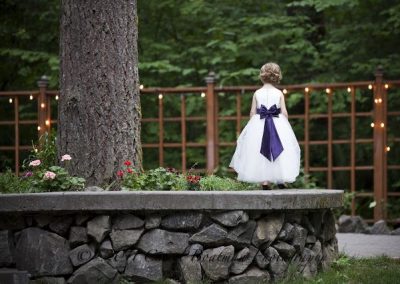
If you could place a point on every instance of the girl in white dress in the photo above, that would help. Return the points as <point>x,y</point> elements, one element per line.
<point>267,150</point>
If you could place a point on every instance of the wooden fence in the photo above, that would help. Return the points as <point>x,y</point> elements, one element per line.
<point>378,115</point>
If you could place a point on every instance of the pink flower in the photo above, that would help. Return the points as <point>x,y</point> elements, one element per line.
<point>66,157</point>
<point>127,163</point>
<point>120,174</point>
<point>28,174</point>
<point>49,175</point>
<point>35,163</point>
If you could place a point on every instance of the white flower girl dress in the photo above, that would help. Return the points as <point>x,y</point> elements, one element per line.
<point>267,149</point>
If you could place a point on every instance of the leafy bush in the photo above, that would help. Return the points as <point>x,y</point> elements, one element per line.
<point>157,179</point>
<point>45,150</point>
<point>171,179</point>
<point>10,183</point>
<point>56,178</point>
<point>214,182</point>
<point>41,172</point>
<point>346,208</point>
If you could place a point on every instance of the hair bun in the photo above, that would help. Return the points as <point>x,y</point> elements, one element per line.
<point>270,73</point>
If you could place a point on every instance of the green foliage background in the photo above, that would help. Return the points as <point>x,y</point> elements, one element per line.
<point>180,41</point>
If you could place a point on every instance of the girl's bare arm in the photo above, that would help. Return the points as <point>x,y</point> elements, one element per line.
<point>253,106</point>
<point>283,106</point>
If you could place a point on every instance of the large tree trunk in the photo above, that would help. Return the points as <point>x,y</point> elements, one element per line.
<point>99,107</point>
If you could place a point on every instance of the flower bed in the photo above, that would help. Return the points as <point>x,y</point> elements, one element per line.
<point>44,174</point>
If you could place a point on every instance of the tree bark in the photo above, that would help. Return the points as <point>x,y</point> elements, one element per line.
<point>99,106</point>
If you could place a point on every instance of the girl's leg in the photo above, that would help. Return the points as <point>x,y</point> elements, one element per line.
<point>265,185</point>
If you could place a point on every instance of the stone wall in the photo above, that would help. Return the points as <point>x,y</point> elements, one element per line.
<point>234,246</point>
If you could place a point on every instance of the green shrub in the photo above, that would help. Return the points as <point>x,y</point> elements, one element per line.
<point>41,172</point>
<point>62,181</point>
<point>214,182</point>
<point>157,179</point>
<point>10,183</point>
<point>45,150</point>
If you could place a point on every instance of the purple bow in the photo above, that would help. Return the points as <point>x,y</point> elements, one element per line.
<point>271,146</point>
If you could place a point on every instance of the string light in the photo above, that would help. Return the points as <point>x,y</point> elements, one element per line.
<point>387,87</point>
<point>160,96</point>
<point>42,105</point>
<point>141,87</point>
<point>372,124</point>
<point>306,89</point>
<point>284,91</point>
<point>57,98</point>
<point>10,101</point>
<point>382,125</point>
<point>387,149</point>
<point>379,100</point>
<point>348,89</point>
<point>370,86</point>
<point>328,91</point>
<point>31,97</point>
<point>47,122</point>
<point>203,94</point>
<point>376,101</point>
<point>38,128</point>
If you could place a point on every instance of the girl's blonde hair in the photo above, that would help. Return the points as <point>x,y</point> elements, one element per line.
<point>270,73</point>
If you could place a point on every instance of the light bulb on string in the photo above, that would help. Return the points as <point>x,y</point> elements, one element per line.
<point>387,87</point>
<point>382,125</point>
<point>328,91</point>
<point>141,87</point>
<point>306,89</point>
<point>372,124</point>
<point>57,98</point>
<point>31,97</point>
<point>42,105</point>
<point>370,86</point>
<point>160,96</point>
<point>203,94</point>
<point>349,89</point>
<point>10,100</point>
<point>284,91</point>
<point>47,122</point>
<point>387,148</point>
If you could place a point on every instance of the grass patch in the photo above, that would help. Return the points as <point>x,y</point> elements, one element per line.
<point>344,270</point>
<point>351,270</point>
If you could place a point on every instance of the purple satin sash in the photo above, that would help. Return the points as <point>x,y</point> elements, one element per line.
<point>271,146</point>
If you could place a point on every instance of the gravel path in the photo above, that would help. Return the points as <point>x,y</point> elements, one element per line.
<point>362,245</point>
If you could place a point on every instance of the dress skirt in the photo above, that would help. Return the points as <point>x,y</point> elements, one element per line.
<point>254,167</point>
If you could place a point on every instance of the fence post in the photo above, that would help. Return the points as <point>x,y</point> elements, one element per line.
<point>42,83</point>
<point>211,123</point>
<point>379,146</point>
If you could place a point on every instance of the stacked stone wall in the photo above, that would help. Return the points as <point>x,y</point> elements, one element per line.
<point>186,246</point>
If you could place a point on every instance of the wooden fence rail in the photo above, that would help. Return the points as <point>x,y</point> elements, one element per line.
<point>212,95</point>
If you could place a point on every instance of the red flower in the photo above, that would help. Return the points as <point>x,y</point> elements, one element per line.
<point>127,163</point>
<point>172,170</point>
<point>193,179</point>
<point>129,170</point>
<point>120,173</point>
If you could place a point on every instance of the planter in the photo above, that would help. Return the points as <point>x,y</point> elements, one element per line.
<point>236,237</point>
